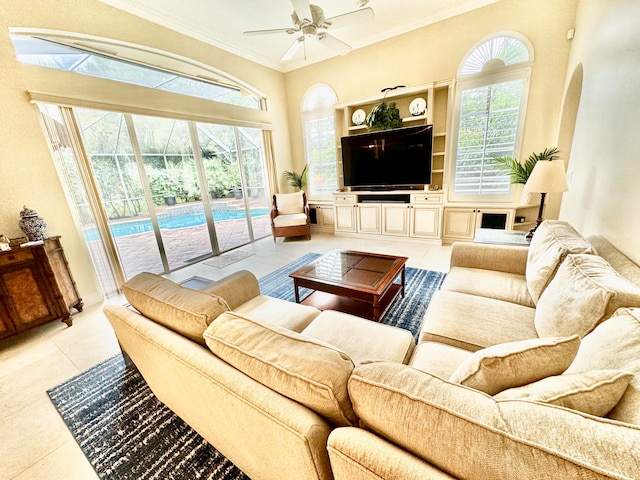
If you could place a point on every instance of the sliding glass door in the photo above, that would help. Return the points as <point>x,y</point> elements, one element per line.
<point>174,192</point>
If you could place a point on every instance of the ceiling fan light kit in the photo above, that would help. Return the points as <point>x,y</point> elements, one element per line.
<point>310,22</point>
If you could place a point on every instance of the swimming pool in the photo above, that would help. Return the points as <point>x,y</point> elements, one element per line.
<point>173,222</point>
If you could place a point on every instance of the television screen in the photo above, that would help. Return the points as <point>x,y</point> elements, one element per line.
<point>388,158</point>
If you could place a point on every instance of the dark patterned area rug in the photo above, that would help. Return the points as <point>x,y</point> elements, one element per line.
<point>407,312</point>
<point>127,433</point>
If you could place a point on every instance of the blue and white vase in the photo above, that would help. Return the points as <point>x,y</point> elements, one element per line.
<point>34,227</point>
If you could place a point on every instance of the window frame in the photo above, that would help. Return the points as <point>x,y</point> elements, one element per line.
<point>518,71</point>
<point>326,111</point>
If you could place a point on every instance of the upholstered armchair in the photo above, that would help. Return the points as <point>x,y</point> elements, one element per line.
<point>290,215</point>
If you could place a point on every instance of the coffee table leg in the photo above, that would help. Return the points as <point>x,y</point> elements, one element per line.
<point>376,308</point>
<point>402,290</point>
<point>295,289</point>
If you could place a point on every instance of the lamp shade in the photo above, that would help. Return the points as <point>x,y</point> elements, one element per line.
<point>548,176</point>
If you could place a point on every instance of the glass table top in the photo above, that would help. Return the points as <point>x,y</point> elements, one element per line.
<point>346,267</point>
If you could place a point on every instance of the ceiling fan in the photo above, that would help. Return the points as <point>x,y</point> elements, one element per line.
<point>309,20</point>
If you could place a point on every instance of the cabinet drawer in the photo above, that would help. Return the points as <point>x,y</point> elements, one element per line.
<point>345,199</point>
<point>15,256</point>
<point>426,198</point>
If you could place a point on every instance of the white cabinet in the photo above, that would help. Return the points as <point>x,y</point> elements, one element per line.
<point>395,219</point>
<point>323,215</point>
<point>393,213</point>
<point>460,223</point>
<point>425,221</point>
<point>368,218</point>
<point>344,208</point>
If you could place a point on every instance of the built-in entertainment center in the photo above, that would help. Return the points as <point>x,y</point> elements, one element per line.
<point>392,181</point>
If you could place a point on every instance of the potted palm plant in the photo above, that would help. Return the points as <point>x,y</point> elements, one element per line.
<point>518,172</point>
<point>296,180</point>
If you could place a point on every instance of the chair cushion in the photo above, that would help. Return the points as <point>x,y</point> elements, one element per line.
<point>595,392</point>
<point>303,369</point>
<point>551,243</point>
<point>516,363</point>
<point>288,203</point>
<point>585,290</point>
<point>290,220</point>
<point>614,344</point>
<point>183,310</point>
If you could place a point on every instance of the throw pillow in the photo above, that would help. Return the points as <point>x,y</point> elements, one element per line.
<point>513,364</point>
<point>585,291</point>
<point>303,369</point>
<point>183,310</point>
<point>614,344</point>
<point>595,392</point>
<point>552,242</point>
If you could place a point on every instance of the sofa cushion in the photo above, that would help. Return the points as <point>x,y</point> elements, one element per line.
<point>289,203</point>
<point>290,315</point>
<point>183,310</point>
<point>552,242</point>
<point>468,434</point>
<point>438,359</point>
<point>472,322</point>
<point>585,290</point>
<point>362,339</point>
<point>513,364</point>
<point>595,392</point>
<point>618,260</point>
<point>308,371</point>
<point>508,287</point>
<point>614,344</point>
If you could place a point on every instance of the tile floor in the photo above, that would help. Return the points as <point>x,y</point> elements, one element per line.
<point>35,442</point>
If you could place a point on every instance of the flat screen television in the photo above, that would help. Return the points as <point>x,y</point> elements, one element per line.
<point>394,158</point>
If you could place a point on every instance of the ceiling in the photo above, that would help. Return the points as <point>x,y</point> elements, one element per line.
<point>221,23</point>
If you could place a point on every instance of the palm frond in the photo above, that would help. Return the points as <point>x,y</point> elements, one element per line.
<point>520,172</point>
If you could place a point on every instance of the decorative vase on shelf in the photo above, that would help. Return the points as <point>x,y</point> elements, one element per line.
<point>34,227</point>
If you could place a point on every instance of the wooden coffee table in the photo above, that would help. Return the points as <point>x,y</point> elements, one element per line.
<point>359,283</point>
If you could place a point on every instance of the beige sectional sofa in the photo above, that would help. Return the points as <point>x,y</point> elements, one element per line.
<point>527,366</point>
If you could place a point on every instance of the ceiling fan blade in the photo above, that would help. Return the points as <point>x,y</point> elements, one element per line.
<point>302,9</point>
<point>267,32</point>
<point>293,49</point>
<point>333,43</point>
<point>351,18</point>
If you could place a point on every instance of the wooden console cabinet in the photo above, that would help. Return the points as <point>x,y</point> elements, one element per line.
<point>36,286</point>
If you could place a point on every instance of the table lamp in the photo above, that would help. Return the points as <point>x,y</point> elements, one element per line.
<point>548,176</point>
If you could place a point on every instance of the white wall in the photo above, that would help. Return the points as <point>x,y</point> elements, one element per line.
<point>604,167</point>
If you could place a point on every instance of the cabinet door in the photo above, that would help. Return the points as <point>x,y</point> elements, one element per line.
<point>369,218</point>
<point>6,325</point>
<point>459,223</point>
<point>425,221</point>
<point>325,217</point>
<point>345,218</point>
<point>27,296</point>
<point>395,219</point>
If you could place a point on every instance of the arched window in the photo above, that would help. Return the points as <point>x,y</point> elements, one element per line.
<point>493,85</point>
<point>319,136</point>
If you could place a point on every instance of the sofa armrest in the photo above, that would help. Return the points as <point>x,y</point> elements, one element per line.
<point>236,289</point>
<point>501,258</point>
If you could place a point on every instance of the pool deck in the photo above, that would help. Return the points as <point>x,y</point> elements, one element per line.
<point>139,252</point>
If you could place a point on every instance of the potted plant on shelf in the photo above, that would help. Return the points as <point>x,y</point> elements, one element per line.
<point>296,180</point>
<point>385,115</point>
<point>519,173</point>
